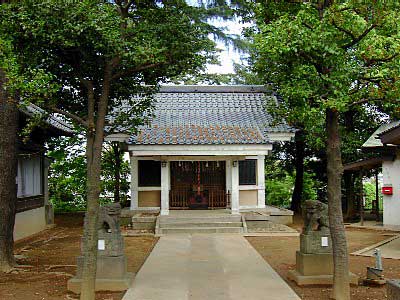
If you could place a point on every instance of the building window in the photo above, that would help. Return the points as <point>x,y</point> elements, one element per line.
<point>29,177</point>
<point>149,173</point>
<point>247,172</point>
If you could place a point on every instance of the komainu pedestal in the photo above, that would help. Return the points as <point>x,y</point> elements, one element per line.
<point>111,272</point>
<point>314,261</point>
<point>393,289</point>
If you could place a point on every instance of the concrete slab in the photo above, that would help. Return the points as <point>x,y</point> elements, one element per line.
<point>205,266</point>
<point>373,225</point>
<point>390,248</point>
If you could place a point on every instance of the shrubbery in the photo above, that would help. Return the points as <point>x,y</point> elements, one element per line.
<point>279,189</point>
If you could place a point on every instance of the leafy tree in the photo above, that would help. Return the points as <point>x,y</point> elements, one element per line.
<point>100,54</point>
<point>280,182</point>
<point>67,173</point>
<point>16,85</point>
<point>8,163</point>
<point>279,190</point>
<point>115,175</point>
<point>67,176</point>
<point>326,58</point>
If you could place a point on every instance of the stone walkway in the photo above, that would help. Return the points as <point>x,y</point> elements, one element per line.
<point>207,267</point>
<point>390,248</point>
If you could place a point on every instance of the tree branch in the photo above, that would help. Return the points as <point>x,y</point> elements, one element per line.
<point>77,119</point>
<point>88,84</point>
<point>129,4</point>
<point>135,70</point>
<point>359,38</point>
<point>385,59</point>
<point>348,32</point>
<point>364,100</point>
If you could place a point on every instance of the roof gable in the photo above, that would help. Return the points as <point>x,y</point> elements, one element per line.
<point>374,140</point>
<point>391,136</point>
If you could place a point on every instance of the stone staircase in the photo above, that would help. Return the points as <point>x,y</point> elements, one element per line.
<point>223,223</point>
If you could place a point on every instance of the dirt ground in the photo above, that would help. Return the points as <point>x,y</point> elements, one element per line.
<point>49,258</point>
<point>279,252</point>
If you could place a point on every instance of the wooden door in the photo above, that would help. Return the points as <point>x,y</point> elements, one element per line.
<point>184,183</point>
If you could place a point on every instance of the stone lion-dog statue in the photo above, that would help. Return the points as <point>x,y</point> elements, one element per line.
<point>315,214</point>
<point>108,218</point>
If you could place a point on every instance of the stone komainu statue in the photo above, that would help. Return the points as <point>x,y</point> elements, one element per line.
<point>111,272</point>
<point>109,218</point>
<point>315,213</point>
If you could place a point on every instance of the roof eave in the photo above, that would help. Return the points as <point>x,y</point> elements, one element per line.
<point>391,136</point>
<point>203,150</point>
<point>215,89</point>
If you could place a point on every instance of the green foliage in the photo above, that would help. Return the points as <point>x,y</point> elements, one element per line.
<point>310,186</point>
<point>335,56</point>
<point>370,196</point>
<point>78,44</point>
<point>101,53</point>
<point>67,176</point>
<point>279,188</point>
<point>242,75</point>
<point>108,174</point>
<point>341,56</point>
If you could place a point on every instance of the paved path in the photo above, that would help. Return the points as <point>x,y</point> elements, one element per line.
<point>207,267</point>
<point>390,248</point>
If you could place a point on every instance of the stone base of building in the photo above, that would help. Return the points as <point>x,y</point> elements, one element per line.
<point>113,285</point>
<point>301,279</point>
<point>393,289</point>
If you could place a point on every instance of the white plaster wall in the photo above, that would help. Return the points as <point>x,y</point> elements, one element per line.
<point>29,222</point>
<point>391,204</point>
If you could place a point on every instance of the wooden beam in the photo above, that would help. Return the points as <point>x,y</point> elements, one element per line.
<point>365,164</point>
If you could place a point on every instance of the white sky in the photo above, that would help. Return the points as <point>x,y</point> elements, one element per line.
<point>228,54</point>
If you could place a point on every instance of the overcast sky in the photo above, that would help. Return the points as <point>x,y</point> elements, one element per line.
<point>228,54</point>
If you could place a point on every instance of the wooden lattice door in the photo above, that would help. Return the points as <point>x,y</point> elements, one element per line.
<point>185,183</point>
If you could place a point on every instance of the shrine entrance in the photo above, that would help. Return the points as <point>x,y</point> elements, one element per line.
<point>198,185</point>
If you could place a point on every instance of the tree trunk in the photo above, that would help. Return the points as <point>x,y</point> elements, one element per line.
<point>341,286</point>
<point>95,139</point>
<point>8,167</point>
<point>349,182</point>
<point>117,172</point>
<point>297,195</point>
<point>90,236</point>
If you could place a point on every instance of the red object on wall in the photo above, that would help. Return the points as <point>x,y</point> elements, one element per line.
<point>387,190</point>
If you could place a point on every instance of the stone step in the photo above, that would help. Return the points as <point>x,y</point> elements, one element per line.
<point>143,219</point>
<point>199,224</point>
<point>190,230</point>
<point>194,219</point>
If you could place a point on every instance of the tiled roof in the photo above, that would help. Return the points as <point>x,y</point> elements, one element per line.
<point>374,140</point>
<point>395,126</point>
<point>32,110</point>
<point>209,115</point>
